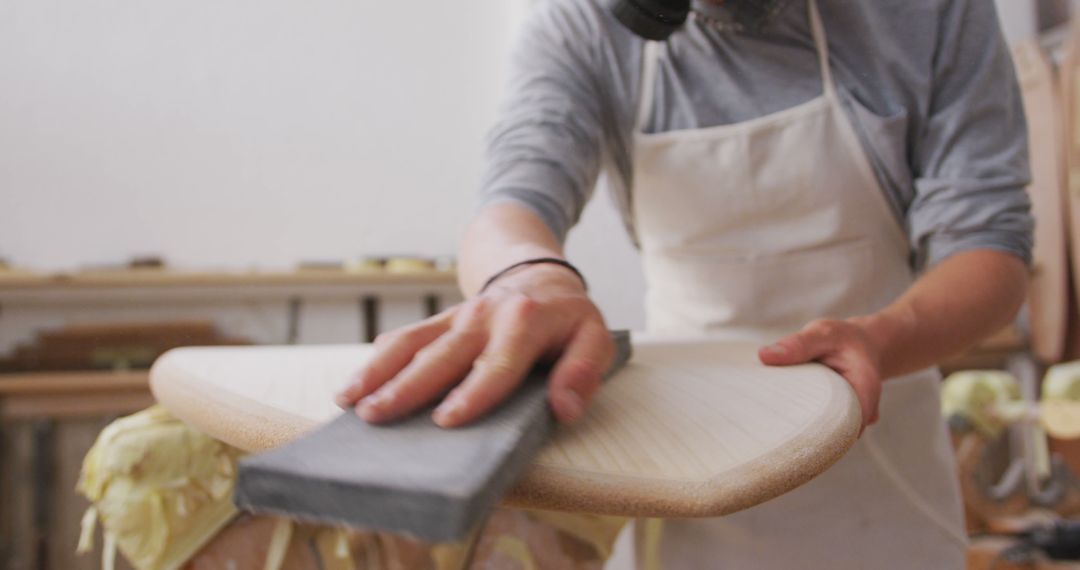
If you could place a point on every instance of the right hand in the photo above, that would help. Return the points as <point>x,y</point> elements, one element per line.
<point>486,346</point>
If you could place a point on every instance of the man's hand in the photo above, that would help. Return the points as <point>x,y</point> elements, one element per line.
<point>950,308</point>
<point>483,349</point>
<point>843,346</point>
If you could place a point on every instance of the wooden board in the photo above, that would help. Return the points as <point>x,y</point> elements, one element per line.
<point>688,428</point>
<point>1069,73</point>
<point>158,278</point>
<point>72,394</point>
<point>1048,293</point>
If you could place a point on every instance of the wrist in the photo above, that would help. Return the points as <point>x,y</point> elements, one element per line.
<point>546,276</point>
<point>480,260</point>
<point>520,266</point>
<point>886,330</point>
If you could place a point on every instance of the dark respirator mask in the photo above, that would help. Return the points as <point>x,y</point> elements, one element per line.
<point>652,19</point>
<point>658,19</point>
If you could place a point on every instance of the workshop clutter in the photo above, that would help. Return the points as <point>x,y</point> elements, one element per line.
<point>78,346</point>
<point>392,264</point>
<point>160,489</point>
<point>162,493</point>
<point>1018,495</point>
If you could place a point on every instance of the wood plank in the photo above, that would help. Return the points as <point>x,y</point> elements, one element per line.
<point>153,278</point>
<point>36,383</point>
<point>73,394</point>
<point>1069,74</point>
<point>127,330</point>
<point>71,406</point>
<point>1049,291</point>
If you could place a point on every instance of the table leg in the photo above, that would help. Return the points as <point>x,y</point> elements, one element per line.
<point>432,304</point>
<point>295,306</point>
<point>1032,442</point>
<point>43,470</point>
<point>5,543</point>
<point>369,311</point>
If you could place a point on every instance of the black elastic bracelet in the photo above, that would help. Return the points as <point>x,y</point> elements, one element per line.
<point>535,261</point>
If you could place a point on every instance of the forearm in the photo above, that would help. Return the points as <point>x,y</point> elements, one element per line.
<point>501,234</point>
<point>961,301</point>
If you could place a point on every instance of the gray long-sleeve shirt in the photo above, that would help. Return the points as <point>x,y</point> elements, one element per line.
<point>945,133</point>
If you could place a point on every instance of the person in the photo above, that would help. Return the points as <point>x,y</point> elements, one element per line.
<point>842,182</point>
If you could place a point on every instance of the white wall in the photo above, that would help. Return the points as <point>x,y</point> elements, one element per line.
<point>245,132</point>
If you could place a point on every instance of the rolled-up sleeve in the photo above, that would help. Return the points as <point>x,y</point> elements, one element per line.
<point>545,149</point>
<point>970,158</point>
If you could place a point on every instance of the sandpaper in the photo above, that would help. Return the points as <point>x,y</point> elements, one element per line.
<point>410,477</point>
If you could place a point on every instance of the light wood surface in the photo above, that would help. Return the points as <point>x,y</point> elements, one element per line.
<point>167,278</point>
<point>77,383</point>
<point>688,428</point>
<point>72,394</point>
<point>1069,74</point>
<point>1048,293</point>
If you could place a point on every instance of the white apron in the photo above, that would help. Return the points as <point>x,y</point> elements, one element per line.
<point>752,230</point>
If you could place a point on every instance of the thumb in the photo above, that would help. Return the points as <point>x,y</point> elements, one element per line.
<point>799,348</point>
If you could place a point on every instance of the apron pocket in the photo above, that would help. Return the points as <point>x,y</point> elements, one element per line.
<point>692,291</point>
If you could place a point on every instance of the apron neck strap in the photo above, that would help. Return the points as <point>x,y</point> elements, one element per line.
<point>821,45</point>
<point>651,54</point>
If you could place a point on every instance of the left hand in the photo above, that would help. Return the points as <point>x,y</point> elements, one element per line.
<point>841,345</point>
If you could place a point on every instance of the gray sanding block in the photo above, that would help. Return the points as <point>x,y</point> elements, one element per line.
<point>410,477</point>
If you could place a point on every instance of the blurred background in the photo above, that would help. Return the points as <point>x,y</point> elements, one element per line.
<point>272,172</point>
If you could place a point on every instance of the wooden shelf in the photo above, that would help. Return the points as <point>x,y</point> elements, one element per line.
<point>156,278</point>
<point>73,394</point>
<point>74,382</point>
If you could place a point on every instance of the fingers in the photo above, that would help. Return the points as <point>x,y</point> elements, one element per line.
<point>814,341</point>
<point>434,369</point>
<point>580,371</point>
<point>393,351</point>
<point>863,377</point>
<point>514,348</point>
<point>839,346</point>
<point>492,342</point>
<point>864,381</point>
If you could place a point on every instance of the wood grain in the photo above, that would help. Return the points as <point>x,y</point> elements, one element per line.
<point>1069,76</point>
<point>688,428</point>
<point>1049,290</point>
